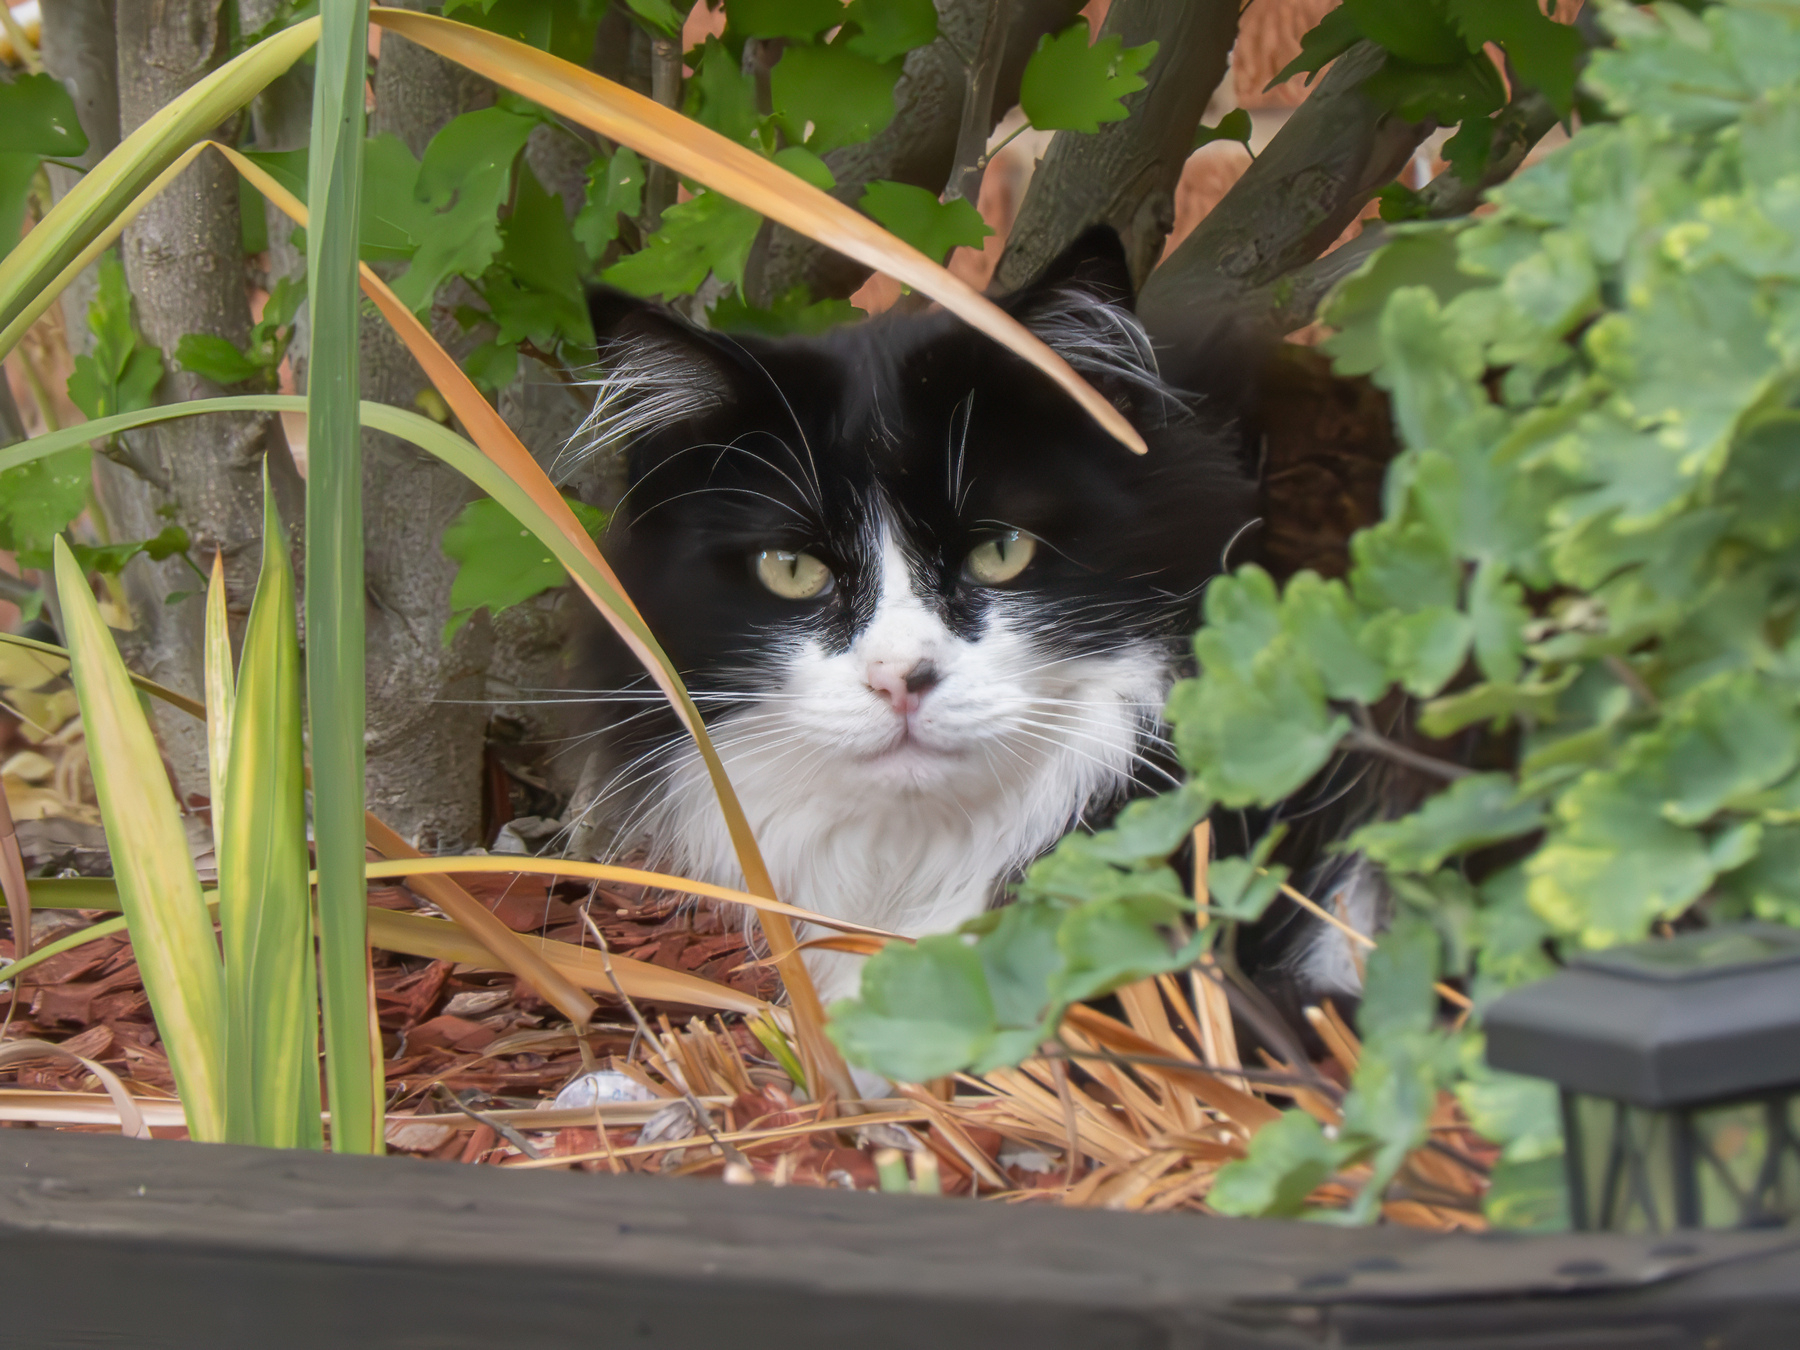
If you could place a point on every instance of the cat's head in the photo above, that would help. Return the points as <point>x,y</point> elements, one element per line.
<point>898,557</point>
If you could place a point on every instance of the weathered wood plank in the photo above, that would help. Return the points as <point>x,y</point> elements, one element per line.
<point>107,1242</point>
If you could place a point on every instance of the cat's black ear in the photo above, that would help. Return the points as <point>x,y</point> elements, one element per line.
<point>1094,264</point>
<point>1080,305</point>
<point>654,370</point>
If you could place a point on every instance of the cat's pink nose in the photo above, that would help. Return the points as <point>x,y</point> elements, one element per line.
<point>903,685</point>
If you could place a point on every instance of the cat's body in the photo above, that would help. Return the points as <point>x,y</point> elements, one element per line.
<point>929,609</point>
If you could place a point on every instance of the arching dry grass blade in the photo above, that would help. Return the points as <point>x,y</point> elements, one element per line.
<point>265,908</point>
<point>131,1120</point>
<point>442,940</point>
<point>171,933</point>
<point>631,876</point>
<point>740,173</point>
<point>418,935</point>
<point>34,272</point>
<point>550,983</point>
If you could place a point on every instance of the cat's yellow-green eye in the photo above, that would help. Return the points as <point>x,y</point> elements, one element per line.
<point>1000,559</point>
<point>792,575</point>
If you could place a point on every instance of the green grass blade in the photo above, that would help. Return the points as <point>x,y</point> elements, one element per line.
<point>334,576</point>
<point>171,934</point>
<point>220,692</point>
<point>27,273</point>
<point>265,909</point>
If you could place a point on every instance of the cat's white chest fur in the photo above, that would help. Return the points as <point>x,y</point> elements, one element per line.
<point>902,782</point>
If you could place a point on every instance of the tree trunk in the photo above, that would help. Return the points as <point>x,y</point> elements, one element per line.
<point>920,145</point>
<point>1125,174</point>
<point>79,49</point>
<point>184,261</point>
<point>425,724</point>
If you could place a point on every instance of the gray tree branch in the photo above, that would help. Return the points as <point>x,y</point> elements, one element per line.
<point>1334,153</point>
<point>920,145</point>
<point>1292,301</point>
<point>1125,174</point>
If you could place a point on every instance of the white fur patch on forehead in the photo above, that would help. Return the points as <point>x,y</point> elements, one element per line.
<point>640,385</point>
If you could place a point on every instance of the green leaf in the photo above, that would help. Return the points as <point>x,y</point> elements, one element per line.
<point>1404,568</point>
<point>563,28</point>
<point>1289,1159</point>
<point>39,500</point>
<point>17,173</point>
<point>891,28</point>
<point>121,372</point>
<point>1328,627</point>
<point>178,957</point>
<point>1471,813</point>
<point>110,559</point>
<point>535,291</point>
<point>265,901</point>
<point>1233,126</point>
<point>615,187</point>
<point>1335,33</point>
<point>1242,888</point>
<point>1529,1197</point>
<point>464,177</point>
<point>721,96</point>
<point>825,97</point>
<point>1422,255</point>
<point>500,563</point>
<point>1071,86</point>
<point>802,19</point>
<point>659,15</point>
<point>794,312</point>
<point>1724,740</point>
<point>1419,33</point>
<point>918,217</point>
<point>1150,830</point>
<point>1255,736</point>
<point>212,357</point>
<point>806,166</point>
<point>37,117</point>
<point>925,1011</point>
<point>1614,863</point>
<point>706,233</point>
<point>1545,53</point>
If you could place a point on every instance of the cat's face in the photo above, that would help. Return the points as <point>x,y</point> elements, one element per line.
<point>903,572</point>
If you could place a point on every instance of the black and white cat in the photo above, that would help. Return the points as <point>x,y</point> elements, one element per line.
<point>929,609</point>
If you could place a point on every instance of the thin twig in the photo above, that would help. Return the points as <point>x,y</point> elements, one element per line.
<point>499,1127</point>
<point>1319,911</point>
<point>1123,1059</point>
<point>1627,675</point>
<point>1059,1071</point>
<point>701,1117</point>
<point>1366,738</point>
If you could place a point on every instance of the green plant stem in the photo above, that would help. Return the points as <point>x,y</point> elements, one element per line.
<point>334,576</point>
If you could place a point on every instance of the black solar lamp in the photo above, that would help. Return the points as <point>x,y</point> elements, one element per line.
<point>1679,1064</point>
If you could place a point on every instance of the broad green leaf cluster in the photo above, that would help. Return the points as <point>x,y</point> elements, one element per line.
<point>1588,573</point>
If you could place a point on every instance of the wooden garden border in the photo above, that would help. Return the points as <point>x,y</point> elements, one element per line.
<point>112,1242</point>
